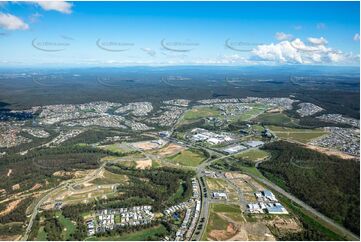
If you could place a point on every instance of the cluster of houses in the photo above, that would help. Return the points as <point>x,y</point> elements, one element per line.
<point>189,223</point>
<point>195,188</point>
<point>109,219</point>
<point>266,203</point>
<point>105,220</point>
<point>183,229</point>
<point>136,216</point>
<point>192,214</point>
<point>176,208</point>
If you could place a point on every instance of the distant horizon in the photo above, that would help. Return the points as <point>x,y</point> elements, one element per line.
<point>178,65</point>
<point>179,33</point>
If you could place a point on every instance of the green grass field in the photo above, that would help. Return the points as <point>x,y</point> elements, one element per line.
<point>275,119</point>
<point>41,236</point>
<point>253,155</point>
<point>257,127</point>
<point>69,227</point>
<point>188,158</point>
<point>155,164</point>
<point>141,235</point>
<point>201,112</point>
<point>299,135</point>
<point>117,147</point>
<point>224,208</point>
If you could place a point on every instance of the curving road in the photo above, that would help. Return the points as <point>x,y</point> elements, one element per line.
<point>53,191</point>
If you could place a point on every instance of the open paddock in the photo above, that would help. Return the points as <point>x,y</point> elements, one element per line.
<point>169,150</point>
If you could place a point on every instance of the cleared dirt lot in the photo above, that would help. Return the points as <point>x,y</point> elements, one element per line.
<point>149,145</point>
<point>233,175</point>
<point>330,152</point>
<point>283,225</point>
<point>246,183</point>
<point>216,184</point>
<point>73,174</point>
<point>226,222</point>
<point>10,207</point>
<point>253,232</point>
<point>143,164</point>
<point>170,149</point>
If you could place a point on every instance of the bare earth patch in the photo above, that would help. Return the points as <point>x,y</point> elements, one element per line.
<point>233,175</point>
<point>149,145</point>
<point>253,232</point>
<point>223,234</point>
<point>330,152</point>
<point>170,149</point>
<point>275,110</point>
<point>9,237</point>
<point>143,164</point>
<point>36,187</point>
<point>10,207</point>
<point>9,172</point>
<point>284,225</point>
<point>242,231</point>
<point>73,174</point>
<point>16,187</point>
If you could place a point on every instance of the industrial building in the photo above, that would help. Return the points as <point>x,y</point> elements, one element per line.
<point>219,195</point>
<point>267,203</point>
<point>234,149</point>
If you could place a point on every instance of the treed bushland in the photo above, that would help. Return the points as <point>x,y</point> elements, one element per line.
<point>327,183</point>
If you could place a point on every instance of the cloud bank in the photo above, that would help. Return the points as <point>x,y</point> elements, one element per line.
<point>11,22</point>
<point>60,6</point>
<point>295,51</point>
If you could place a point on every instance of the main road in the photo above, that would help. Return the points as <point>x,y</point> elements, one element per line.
<point>56,189</point>
<point>313,212</point>
<point>336,227</point>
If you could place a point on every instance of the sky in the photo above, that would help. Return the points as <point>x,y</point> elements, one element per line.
<point>179,33</point>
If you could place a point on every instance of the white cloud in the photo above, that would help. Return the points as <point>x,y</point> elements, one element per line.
<point>11,22</point>
<point>356,37</point>
<point>60,6</point>
<point>336,57</point>
<point>282,52</point>
<point>283,36</point>
<point>317,41</point>
<point>298,52</point>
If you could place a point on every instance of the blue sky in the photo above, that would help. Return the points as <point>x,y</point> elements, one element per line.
<point>175,33</point>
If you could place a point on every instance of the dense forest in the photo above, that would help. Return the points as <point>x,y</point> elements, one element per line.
<point>18,214</point>
<point>39,165</point>
<point>12,223</point>
<point>327,183</point>
<point>162,187</point>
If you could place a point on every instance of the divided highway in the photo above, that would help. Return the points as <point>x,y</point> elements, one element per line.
<point>317,215</point>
